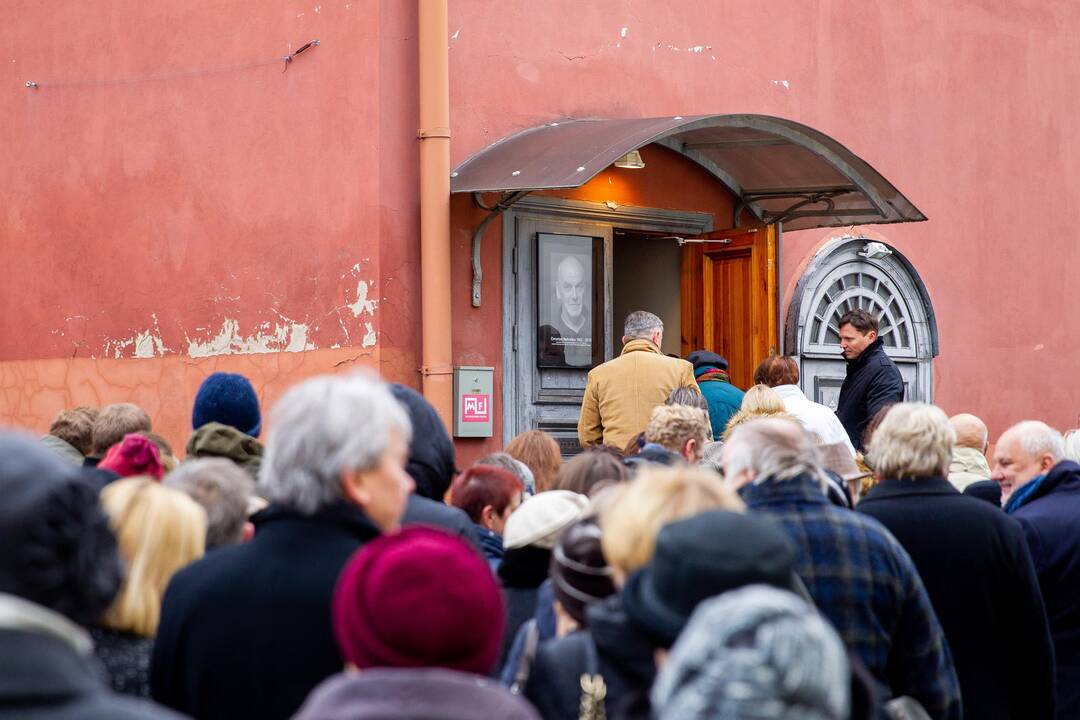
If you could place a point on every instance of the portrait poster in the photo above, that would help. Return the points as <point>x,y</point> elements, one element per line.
<point>569,314</point>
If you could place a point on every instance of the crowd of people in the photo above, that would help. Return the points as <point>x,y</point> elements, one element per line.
<point>711,553</point>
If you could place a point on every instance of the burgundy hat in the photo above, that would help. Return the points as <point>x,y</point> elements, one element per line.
<point>134,455</point>
<point>419,598</point>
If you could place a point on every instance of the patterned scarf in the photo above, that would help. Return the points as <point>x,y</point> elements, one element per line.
<point>713,374</point>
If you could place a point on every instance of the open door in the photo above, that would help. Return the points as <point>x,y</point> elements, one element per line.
<point>730,297</point>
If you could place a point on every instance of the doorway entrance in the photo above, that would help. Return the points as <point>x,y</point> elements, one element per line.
<point>545,363</point>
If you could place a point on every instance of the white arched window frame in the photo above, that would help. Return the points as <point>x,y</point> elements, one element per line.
<point>851,273</point>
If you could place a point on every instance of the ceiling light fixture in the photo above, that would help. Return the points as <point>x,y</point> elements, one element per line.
<point>630,161</point>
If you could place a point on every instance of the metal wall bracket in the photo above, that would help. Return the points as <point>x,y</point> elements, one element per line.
<point>494,211</point>
<point>804,198</point>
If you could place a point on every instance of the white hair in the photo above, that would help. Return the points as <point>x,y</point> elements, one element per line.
<point>773,449</point>
<point>913,440</point>
<point>321,427</point>
<point>1072,445</point>
<point>641,324</point>
<point>1038,438</point>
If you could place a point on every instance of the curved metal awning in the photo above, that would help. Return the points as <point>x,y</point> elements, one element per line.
<point>781,171</point>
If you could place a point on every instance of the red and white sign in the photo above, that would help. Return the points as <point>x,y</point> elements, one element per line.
<point>476,408</point>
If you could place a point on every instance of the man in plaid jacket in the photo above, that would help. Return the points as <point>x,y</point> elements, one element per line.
<point>859,576</point>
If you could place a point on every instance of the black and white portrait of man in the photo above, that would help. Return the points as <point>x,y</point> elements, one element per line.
<point>565,301</point>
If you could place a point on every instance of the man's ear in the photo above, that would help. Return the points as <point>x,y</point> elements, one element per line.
<point>689,449</point>
<point>1046,463</point>
<point>872,335</point>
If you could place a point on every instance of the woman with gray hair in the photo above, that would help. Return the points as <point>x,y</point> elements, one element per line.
<point>234,625</point>
<point>755,653</point>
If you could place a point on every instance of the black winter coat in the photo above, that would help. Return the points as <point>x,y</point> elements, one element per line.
<point>979,575</point>
<point>624,659</point>
<point>872,382</point>
<point>1051,522</point>
<point>433,513</point>
<point>431,451</point>
<point>43,678</point>
<point>246,632</point>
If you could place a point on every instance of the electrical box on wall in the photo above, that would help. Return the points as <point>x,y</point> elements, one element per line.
<point>473,401</point>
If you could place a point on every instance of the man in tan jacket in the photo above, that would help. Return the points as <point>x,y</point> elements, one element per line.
<point>621,393</point>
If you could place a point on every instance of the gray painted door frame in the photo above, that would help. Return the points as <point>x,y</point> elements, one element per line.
<point>844,275</point>
<point>550,399</point>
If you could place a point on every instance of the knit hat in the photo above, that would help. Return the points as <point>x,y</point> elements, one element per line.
<point>134,455</point>
<point>539,520</point>
<point>419,598</point>
<point>227,398</point>
<point>759,653</point>
<point>580,576</point>
<point>58,550</point>
<point>703,556</point>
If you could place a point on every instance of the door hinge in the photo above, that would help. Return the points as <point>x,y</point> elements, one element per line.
<point>514,338</point>
<point>514,259</point>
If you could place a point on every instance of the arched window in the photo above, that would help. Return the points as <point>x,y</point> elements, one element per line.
<point>855,273</point>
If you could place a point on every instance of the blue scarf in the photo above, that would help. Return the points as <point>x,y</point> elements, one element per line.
<point>1022,495</point>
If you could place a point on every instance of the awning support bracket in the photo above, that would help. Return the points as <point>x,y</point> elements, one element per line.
<point>504,202</point>
<point>804,199</point>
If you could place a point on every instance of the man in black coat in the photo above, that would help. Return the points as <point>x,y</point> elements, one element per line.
<point>974,563</point>
<point>246,631</point>
<point>872,380</point>
<point>1043,495</point>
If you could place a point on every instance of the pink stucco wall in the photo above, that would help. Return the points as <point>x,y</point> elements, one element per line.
<point>168,193</point>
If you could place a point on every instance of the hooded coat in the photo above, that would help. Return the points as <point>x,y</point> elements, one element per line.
<point>872,382</point>
<point>1050,518</point>
<point>710,371</point>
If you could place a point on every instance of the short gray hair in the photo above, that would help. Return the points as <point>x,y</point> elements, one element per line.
<point>223,489</point>
<point>774,449</point>
<point>513,466</point>
<point>914,440</point>
<point>322,427</point>
<point>1038,438</point>
<point>641,324</point>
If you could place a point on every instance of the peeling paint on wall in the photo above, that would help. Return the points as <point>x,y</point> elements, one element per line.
<point>362,304</point>
<point>287,336</point>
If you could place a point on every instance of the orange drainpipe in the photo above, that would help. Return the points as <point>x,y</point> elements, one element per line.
<point>434,134</point>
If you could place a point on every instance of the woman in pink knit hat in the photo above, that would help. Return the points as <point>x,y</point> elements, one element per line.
<point>134,455</point>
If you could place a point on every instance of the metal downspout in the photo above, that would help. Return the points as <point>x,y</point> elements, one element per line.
<point>434,133</point>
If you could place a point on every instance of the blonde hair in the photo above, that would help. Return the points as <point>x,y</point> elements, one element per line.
<point>633,514</point>
<point>159,530</point>
<point>914,440</point>
<point>760,401</point>
<point>670,426</point>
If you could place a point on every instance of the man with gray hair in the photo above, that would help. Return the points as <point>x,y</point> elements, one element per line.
<point>859,576</point>
<point>224,491</point>
<point>245,631</point>
<point>1044,497</point>
<point>620,394</point>
<point>968,463</point>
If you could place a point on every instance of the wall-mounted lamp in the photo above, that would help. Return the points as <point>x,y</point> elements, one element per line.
<point>874,251</point>
<point>630,161</point>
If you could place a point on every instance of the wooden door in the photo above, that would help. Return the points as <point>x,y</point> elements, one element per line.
<point>731,296</point>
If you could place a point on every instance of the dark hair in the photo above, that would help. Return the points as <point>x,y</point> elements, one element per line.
<point>777,370</point>
<point>483,485</point>
<point>76,427</point>
<point>689,396</point>
<point>114,422</point>
<point>585,472</point>
<point>580,576</point>
<point>859,319</point>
